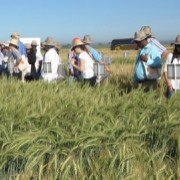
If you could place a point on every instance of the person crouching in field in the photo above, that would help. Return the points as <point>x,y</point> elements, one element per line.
<point>172,58</point>
<point>148,63</point>
<point>85,62</point>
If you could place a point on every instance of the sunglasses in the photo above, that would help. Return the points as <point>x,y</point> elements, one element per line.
<point>178,45</point>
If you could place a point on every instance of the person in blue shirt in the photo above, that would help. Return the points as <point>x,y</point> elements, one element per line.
<point>148,62</point>
<point>95,55</point>
<point>21,46</point>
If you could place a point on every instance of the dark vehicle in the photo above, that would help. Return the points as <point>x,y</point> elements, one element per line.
<point>123,44</point>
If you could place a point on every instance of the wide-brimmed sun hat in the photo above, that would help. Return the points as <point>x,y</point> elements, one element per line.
<point>28,46</point>
<point>76,42</point>
<point>177,40</point>
<point>34,43</point>
<point>15,35</point>
<point>14,42</point>
<point>6,44</point>
<point>140,35</point>
<point>147,30</point>
<point>87,39</point>
<point>49,41</point>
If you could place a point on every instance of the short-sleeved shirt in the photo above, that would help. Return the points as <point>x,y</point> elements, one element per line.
<point>175,83</point>
<point>88,71</point>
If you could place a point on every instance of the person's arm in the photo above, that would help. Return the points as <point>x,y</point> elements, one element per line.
<point>81,66</point>
<point>153,58</point>
<point>164,55</point>
<point>95,55</point>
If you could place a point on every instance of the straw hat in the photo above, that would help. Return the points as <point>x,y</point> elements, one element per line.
<point>6,44</point>
<point>28,46</point>
<point>14,42</point>
<point>140,35</point>
<point>76,42</point>
<point>34,43</point>
<point>49,41</point>
<point>177,40</point>
<point>87,39</point>
<point>147,30</point>
<point>15,35</point>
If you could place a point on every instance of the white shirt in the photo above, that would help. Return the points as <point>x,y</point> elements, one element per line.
<point>1,58</point>
<point>39,57</point>
<point>175,83</point>
<point>52,57</point>
<point>88,62</point>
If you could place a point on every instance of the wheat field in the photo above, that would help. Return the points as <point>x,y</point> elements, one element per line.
<point>113,131</point>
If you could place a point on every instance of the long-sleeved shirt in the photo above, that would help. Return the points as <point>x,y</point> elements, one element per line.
<point>154,61</point>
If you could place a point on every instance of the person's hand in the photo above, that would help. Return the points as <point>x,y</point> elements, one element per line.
<point>169,84</point>
<point>16,70</point>
<point>108,69</point>
<point>144,57</point>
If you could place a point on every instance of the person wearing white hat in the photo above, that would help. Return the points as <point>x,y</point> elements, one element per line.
<point>148,62</point>
<point>16,57</point>
<point>13,46</point>
<point>52,58</point>
<point>172,58</point>
<point>39,57</point>
<point>85,62</point>
<point>93,52</point>
<point>21,46</point>
<point>31,57</point>
<point>21,65</point>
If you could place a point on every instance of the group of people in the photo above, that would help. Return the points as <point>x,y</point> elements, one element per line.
<point>27,63</point>
<point>148,64</point>
<point>25,60</point>
<point>81,58</point>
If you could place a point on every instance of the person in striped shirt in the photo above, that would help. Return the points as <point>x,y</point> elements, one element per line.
<point>152,40</point>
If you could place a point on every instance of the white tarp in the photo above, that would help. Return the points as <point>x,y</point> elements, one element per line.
<point>29,40</point>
